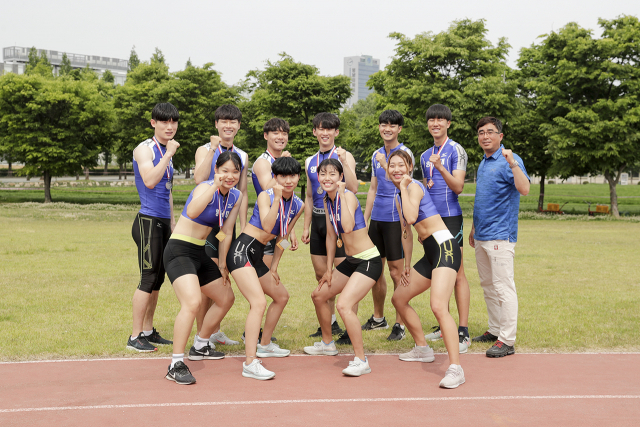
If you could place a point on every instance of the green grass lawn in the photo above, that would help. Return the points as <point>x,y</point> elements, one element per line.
<point>68,273</point>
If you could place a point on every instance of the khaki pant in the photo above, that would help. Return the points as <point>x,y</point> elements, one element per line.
<point>494,259</point>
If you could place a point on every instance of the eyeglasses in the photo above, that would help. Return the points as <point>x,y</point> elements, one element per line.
<point>488,133</point>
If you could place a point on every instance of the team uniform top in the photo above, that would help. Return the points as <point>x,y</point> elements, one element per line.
<point>358,216</point>
<point>210,216</point>
<point>154,201</point>
<point>427,208</point>
<point>220,150</point>
<point>311,166</point>
<point>453,158</point>
<point>291,207</point>
<point>254,177</point>
<point>384,206</point>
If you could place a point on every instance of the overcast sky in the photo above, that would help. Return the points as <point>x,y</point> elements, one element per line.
<point>239,36</point>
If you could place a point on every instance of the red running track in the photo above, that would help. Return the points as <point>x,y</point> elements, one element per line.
<point>520,390</point>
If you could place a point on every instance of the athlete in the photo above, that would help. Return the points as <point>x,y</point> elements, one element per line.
<point>437,270</point>
<point>353,277</point>
<point>153,171</point>
<point>443,170</point>
<point>211,204</point>
<point>227,120</point>
<point>325,129</point>
<point>384,228</point>
<point>274,215</point>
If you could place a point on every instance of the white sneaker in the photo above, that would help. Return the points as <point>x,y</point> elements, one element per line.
<point>271,350</point>
<point>322,349</point>
<point>256,371</point>
<point>453,377</point>
<point>418,354</point>
<point>436,335</point>
<point>464,344</point>
<point>221,338</point>
<point>357,368</point>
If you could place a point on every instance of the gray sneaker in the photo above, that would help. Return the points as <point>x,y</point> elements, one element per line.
<point>271,350</point>
<point>419,354</point>
<point>453,378</point>
<point>256,371</point>
<point>357,368</point>
<point>436,335</point>
<point>322,349</point>
<point>464,344</point>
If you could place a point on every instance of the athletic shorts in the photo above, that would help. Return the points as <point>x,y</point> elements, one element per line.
<point>270,246</point>
<point>445,254</point>
<point>455,226</point>
<point>387,236</point>
<point>182,258</point>
<point>212,242</point>
<point>151,234</point>
<point>247,251</point>
<point>372,268</point>
<point>318,236</point>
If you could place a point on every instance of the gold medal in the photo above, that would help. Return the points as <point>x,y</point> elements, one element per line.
<point>404,233</point>
<point>430,184</point>
<point>320,190</point>
<point>339,243</point>
<point>221,236</point>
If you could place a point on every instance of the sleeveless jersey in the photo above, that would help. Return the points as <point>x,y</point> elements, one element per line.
<point>311,166</point>
<point>384,206</point>
<point>220,150</point>
<point>358,216</point>
<point>154,201</point>
<point>427,208</point>
<point>254,177</point>
<point>211,214</point>
<point>453,158</point>
<point>295,203</point>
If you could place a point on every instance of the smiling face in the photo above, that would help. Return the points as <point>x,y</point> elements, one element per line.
<point>329,177</point>
<point>227,130</point>
<point>489,138</point>
<point>276,140</point>
<point>438,127</point>
<point>164,130</point>
<point>389,132</point>
<point>288,182</point>
<point>231,173</point>
<point>326,137</point>
<point>398,168</point>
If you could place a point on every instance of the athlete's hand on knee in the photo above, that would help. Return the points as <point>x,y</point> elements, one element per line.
<point>405,279</point>
<point>285,154</point>
<point>305,236</point>
<point>326,278</point>
<point>276,277</point>
<point>215,141</point>
<point>172,146</point>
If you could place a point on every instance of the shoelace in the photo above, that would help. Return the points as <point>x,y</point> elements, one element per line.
<point>182,369</point>
<point>452,371</point>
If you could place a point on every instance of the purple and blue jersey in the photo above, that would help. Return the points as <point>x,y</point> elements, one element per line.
<point>358,216</point>
<point>384,206</point>
<point>154,201</point>
<point>254,177</point>
<point>311,166</point>
<point>210,216</point>
<point>291,209</point>
<point>220,150</point>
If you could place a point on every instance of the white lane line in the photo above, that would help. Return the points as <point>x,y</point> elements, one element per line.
<point>293,401</point>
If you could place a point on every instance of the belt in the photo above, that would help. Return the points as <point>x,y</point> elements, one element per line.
<point>319,211</point>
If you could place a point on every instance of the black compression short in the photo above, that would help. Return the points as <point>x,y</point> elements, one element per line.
<point>181,258</point>
<point>455,226</point>
<point>247,251</point>
<point>372,268</point>
<point>387,236</point>
<point>446,254</point>
<point>318,237</point>
<point>270,246</point>
<point>151,234</point>
<point>211,247</point>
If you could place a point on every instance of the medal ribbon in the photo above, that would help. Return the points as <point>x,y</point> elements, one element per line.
<point>433,152</point>
<point>284,223</point>
<point>271,155</point>
<point>228,149</point>
<point>162,156</point>
<point>323,158</point>
<point>333,212</point>
<point>220,211</point>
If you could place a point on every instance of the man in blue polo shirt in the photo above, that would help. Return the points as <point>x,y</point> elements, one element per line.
<point>502,178</point>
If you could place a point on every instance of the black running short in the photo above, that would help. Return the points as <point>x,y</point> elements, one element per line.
<point>181,258</point>
<point>270,246</point>
<point>372,268</point>
<point>455,226</point>
<point>446,254</point>
<point>387,236</point>
<point>151,234</point>
<point>212,244</point>
<point>318,236</point>
<point>247,251</point>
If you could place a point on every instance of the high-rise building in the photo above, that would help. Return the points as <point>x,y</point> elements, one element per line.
<point>358,69</point>
<point>16,59</point>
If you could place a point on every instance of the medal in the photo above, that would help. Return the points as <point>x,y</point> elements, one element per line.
<point>404,233</point>
<point>284,221</point>
<point>429,184</point>
<point>320,190</point>
<point>339,243</point>
<point>283,244</point>
<point>221,236</point>
<point>169,185</point>
<point>333,216</point>
<point>169,178</point>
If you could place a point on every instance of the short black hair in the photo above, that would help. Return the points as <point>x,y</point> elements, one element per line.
<point>332,163</point>
<point>286,166</point>
<point>439,111</point>
<point>326,121</point>
<point>392,117</point>
<point>229,155</point>
<point>227,112</point>
<point>164,111</point>
<point>488,119</point>
<point>275,124</point>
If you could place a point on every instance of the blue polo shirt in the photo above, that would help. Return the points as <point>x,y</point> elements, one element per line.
<point>497,202</point>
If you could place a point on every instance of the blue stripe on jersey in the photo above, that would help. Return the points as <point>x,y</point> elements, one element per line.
<point>384,206</point>
<point>210,215</point>
<point>257,222</point>
<point>154,201</point>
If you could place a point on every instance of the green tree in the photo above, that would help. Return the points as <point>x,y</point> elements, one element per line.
<point>107,77</point>
<point>134,61</point>
<point>65,65</point>
<point>158,56</point>
<point>38,64</point>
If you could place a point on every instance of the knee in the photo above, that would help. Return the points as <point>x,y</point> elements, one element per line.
<point>191,307</point>
<point>342,308</point>
<point>439,308</point>
<point>282,297</point>
<point>397,301</point>
<point>260,305</point>
<point>229,300</point>
<point>395,275</point>
<point>317,298</point>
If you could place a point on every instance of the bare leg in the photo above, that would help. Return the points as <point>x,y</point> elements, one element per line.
<point>320,267</point>
<point>187,289</point>
<point>463,295</point>
<point>356,288</point>
<point>442,284</point>
<point>401,298</point>
<point>395,271</point>
<point>224,299</point>
<point>379,294</point>
<point>320,298</point>
<point>140,303</point>
<point>249,284</point>
<point>205,305</point>
<point>280,298</point>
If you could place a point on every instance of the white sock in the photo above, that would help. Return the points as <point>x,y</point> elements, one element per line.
<point>333,318</point>
<point>177,358</point>
<point>147,333</point>
<point>402,326</point>
<point>378,319</point>
<point>199,343</point>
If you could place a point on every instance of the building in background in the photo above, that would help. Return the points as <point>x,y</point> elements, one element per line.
<point>16,59</point>
<point>358,69</point>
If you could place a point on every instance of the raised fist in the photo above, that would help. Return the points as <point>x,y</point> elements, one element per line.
<point>172,146</point>
<point>436,161</point>
<point>285,154</point>
<point>277,191</point>
<point>406,180</point>
<point>341,186</point>
<point>508,154</point>
<point>342,154</point>
<point>380,158</point>
<point>215,141</point>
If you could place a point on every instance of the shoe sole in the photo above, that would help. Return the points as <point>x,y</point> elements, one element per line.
<point>247,375</point>
<point>421,359</point>
<point>264,355</point>
<point>367,371</point>
<point>453,386</point>
<point>322,353</point>
<point>170,378</point>
<point>129,347</point>
<point>377,327</point>
<point>161,343</point>
<point>197,358</point>
<point>462,350</point>
<point>509,353</point>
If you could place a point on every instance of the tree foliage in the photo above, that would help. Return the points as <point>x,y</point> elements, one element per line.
<point>65,65</point>
<point>134,61</point>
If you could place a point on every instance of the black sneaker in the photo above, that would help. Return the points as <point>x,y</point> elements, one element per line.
<point>157,339</point>
<point>205,353</point>
<point>372,324</point>
<point>397,333</point>
<point>273,339</point>
<point>344,339</point>
<point>181,374</point>
<point>140,344</point>
<point>486,337</point>
<point>500,349</point>
<point>335,330</point>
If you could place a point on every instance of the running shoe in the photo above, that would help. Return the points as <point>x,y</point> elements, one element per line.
<point>273,339</point>
<point>344,339</point>
<point>453,378</point>
<point>155,338</point>
<point>397,333</point>
<point>357,368</point>
<point>256,371</point>
<point>372,324</point>
<point>500,349</point>
<point>271,350</point>
<point>335,330</point>
<point>140,344</point>
<point>205,353</point>
<point>221,338</point>
<point>181,374</point>
<point>419,354</point>
<point>436,335</point>
<point>322,349</point>
<point>486,337</point>
<point>465,342</point>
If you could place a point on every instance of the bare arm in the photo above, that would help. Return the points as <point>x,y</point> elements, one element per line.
<point>173,219</point>
<point>519,178</point>
<point>152,175</point>
<point>349,169</point>
<point>204,158</point>
<point>269,213</point>
<point>411,196</point>
<point>244,204</point>
<point>331,240</point>
<point>262,169</point>
<point>202,196</point>
<point>348,207</point>
<point>371,195</point>
<point>277,253</point>
<point>472,240</point>
<point>456,181</point>
<point>308,201</point>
